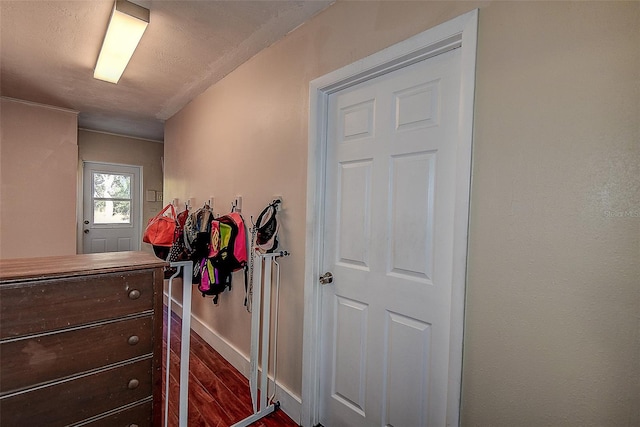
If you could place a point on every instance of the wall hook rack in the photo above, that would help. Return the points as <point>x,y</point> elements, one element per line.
<point>236,205</point>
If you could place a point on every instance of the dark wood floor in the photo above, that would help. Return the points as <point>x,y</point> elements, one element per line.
<point>218,394</point>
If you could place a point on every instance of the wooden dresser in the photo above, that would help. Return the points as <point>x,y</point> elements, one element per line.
<point>81,340</point>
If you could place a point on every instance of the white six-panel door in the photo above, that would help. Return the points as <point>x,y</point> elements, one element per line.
<point>388,239</point>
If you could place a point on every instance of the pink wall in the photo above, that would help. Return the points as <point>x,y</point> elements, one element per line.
<point>247,135</point>
<point>552,295</point>
<point>38,172</point>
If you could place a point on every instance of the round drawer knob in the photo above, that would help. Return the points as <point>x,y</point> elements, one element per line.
<point>133,340</point>
<point>133,384</point>
<point>133,425</point>
<point>134,294</point>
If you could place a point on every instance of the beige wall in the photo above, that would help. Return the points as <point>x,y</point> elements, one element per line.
<point>38,152</point>
<point>110,148</point>
<point>553,296</point>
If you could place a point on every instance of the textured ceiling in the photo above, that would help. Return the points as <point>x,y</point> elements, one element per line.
<point>48,49</point>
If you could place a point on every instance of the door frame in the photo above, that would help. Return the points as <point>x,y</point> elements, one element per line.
<point>460,32</point>
<point>80,205</point>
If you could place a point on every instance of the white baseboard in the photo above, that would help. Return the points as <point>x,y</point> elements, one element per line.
<point>290,404</point>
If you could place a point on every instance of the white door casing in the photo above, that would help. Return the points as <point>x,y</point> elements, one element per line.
<point>111,214</point>
<point>388,202</point>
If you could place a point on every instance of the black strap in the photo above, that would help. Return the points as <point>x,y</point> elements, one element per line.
<point>246,284</point>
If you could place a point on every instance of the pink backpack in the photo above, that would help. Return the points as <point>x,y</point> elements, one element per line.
<point>238,237</point>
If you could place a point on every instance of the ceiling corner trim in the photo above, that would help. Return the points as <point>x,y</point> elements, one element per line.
<point>37,104</point>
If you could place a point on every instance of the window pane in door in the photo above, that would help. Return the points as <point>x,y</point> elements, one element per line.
<point>111,186</point>
<point>111,212</point>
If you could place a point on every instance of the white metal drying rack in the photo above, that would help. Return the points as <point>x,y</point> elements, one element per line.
<point>261,406</point>
<point>187,281</point>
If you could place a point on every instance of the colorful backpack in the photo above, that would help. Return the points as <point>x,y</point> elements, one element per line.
<point>196,229</point>
<point>227,253</point>
<point>196,235</point>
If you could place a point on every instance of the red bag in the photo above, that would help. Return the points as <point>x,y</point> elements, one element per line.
<point>160,229</point>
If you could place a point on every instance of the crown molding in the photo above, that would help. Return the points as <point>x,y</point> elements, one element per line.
<point>37,104</point>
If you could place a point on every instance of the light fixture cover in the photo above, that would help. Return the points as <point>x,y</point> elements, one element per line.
<point>127,24</point>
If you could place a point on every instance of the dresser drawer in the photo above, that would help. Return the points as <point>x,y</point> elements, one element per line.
<point>31,361</point>
<point>45,305</point>
<point>138,415</point>
<point>69,402</point>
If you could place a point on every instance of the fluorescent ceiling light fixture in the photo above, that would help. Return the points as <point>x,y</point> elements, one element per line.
<point>126,26</point>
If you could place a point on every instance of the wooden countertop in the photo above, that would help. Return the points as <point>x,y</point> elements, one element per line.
<point>74,265</point>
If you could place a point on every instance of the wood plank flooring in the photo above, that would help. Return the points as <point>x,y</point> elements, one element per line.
<point>218,394</point>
